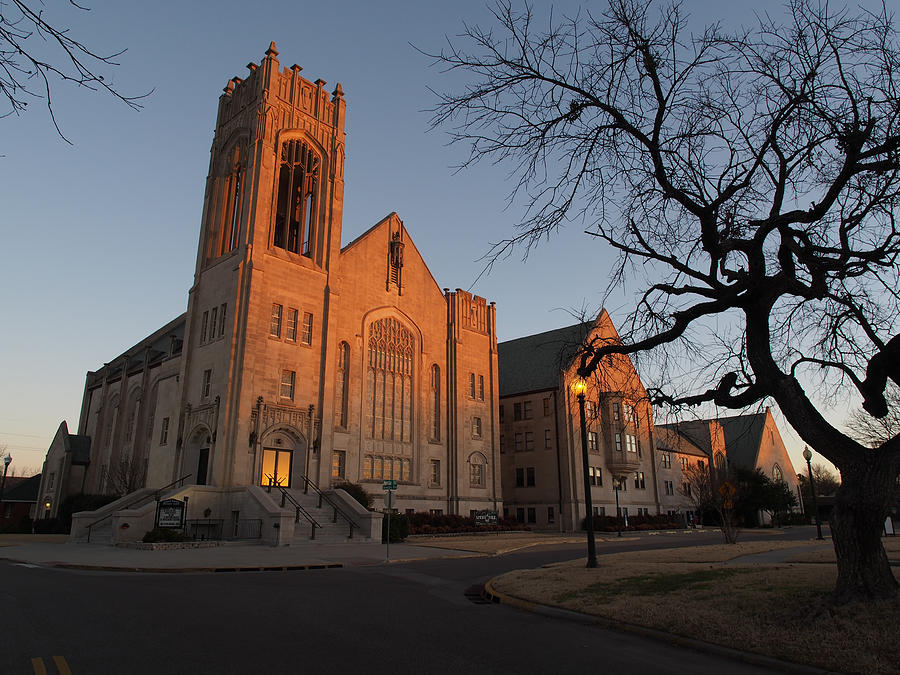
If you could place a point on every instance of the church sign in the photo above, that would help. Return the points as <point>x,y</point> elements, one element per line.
<point>170,513</point>
<point>486,518</point>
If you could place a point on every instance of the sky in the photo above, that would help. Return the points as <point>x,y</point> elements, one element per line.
<point>100,236</point>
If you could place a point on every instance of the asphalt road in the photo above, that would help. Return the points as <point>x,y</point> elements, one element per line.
<point>397,618</point>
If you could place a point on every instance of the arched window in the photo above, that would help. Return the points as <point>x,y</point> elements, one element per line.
<point>436,402</point>
<point>389,381</point>
<point>777,475</point>
<point>225,211</point>
<point>720,462</point>
<point>477,470</point>
<point>296,203</point>
<point>342,386</point>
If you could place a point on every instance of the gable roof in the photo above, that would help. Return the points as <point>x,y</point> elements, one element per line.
<point>743,436</point>
<point>534,362</point>
<point>25,490</point>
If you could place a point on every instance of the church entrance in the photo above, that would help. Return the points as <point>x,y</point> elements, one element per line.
<point>202,466</point>
<point>276,467</point>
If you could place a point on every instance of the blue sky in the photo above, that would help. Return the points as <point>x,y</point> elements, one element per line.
<point>100,236</point>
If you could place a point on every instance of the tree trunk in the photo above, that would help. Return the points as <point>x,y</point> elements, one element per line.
<point>857,523</point>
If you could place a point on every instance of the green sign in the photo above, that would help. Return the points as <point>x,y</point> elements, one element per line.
<point>389,485</point>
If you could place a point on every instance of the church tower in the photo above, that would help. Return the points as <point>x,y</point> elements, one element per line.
<point>270,234</point>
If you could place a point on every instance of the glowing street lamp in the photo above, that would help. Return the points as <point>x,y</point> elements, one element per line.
<point>579,386</point>
<point>807,455</point>
<point>6,462</point>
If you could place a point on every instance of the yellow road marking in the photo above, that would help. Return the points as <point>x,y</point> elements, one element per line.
<point>38,665</point>
<point>61,665</point>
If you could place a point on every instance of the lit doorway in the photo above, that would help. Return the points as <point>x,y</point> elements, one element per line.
<point>276,467</point>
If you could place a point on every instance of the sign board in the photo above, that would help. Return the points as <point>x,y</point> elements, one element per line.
<point>389,485</point>
<point>486,518</point>
<point>170,513</point>
<point>727,490</point>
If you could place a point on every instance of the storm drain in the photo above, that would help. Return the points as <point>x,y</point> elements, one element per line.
<point>476,595</point>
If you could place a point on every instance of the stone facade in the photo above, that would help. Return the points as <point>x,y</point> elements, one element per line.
<point>298,359</point>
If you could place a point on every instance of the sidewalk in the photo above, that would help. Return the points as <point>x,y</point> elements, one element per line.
<point>225,558</point>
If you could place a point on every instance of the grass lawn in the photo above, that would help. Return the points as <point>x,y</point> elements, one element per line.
<point>776,609</point>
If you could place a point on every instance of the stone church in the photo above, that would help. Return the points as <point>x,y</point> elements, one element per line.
<point>297,359</point>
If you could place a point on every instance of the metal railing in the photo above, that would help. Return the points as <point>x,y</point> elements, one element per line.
<point>298,509</point>
<point>247,528</point>
<point>179,482</point>
<point>204,529</point>
<point>308,483</point>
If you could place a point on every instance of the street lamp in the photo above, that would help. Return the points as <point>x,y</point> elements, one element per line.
<point>807,455</point>
<point>579,386</point>
<point>617,483</point>
<point>6,462</point>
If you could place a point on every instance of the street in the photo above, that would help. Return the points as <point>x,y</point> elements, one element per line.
<point>399,618</point>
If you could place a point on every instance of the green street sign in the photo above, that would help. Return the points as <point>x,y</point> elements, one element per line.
<point>389,485</point>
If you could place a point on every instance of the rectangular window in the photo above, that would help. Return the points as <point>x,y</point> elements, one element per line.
<point>287,384</point>
<point>476,474</point>
<point>618,442</point>
<point>222,309</point>
<point>481,387</point>
<point>476,427</point>
<point>629,443</point>
<point>700,464</point>
<point>666,460</point>
<point>601,511</point>
<point>51,480</point>
<point>684,463</point>
<point>551,515</point>
<point>501,413</point>
<point>529,477</point>
<point>306,336</point>
<point>502,444</point>
<point>547,408</point>
<point>529,440</point>
<point>517,411</point>
<point>212,323</point>
<point>207,380</point>
<point>520,514</point>
<point>639,480</point>
<point>593,441</point>
<point>436,512</point>
<point>275,324</point>
<point>471,385</point>
<point>290,330</point>
<point>520,477</point>
<point>338,463</point>
<point>670,487</point>
<point>548,440</point>
<point>435,472</point>
<point>203,327</point>
<point>526,409</point>
<point>590,410</point>
<point>520,442</point>
<point>686,489</point>
<point>616,412</point>
<point>532,514</point>
<point>164,432</point>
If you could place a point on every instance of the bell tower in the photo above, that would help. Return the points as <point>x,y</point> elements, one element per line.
<point>269,237</point>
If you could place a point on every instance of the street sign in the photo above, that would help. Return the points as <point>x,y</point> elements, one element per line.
<point>389,485</point>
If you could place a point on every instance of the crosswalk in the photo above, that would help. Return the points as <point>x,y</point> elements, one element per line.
<point>40,668</point>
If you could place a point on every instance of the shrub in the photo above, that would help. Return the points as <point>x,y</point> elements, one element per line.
<point>399,527</point>
<point>358,492</point>
<point>610,524</point>
<point>163,534</point>
<point>428,523</point>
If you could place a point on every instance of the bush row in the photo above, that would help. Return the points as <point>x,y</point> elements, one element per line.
<point>611,523</point>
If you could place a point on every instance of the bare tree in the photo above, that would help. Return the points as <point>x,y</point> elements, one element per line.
<point>124,477</point>
<point>748,181</point>
<point>35,53</point>
<point>873,431</point>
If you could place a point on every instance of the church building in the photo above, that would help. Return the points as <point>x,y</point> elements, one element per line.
<point>298,359</point>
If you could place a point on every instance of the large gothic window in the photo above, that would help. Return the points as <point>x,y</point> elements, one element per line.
<point>389,382</point>
<point>225,211</point>
<point>296,203</point>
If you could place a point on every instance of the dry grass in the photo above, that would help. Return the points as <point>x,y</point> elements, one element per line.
<point>775,610</point>
<point>493,544</point>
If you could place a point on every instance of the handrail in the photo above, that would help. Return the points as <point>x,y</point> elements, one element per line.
<point>308,483</point>
<point>298,509</point>
<point>136,501</point>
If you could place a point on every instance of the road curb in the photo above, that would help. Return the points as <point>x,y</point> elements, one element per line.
<point>769,662</point>
<point>179,570</point>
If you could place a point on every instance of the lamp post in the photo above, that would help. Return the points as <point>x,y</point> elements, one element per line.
<point>6,462</point>
<point>807,455</point>
<point>578,388</point>
<point>617,482</point>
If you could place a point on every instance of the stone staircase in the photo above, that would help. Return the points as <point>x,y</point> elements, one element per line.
<point>332,530</point>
